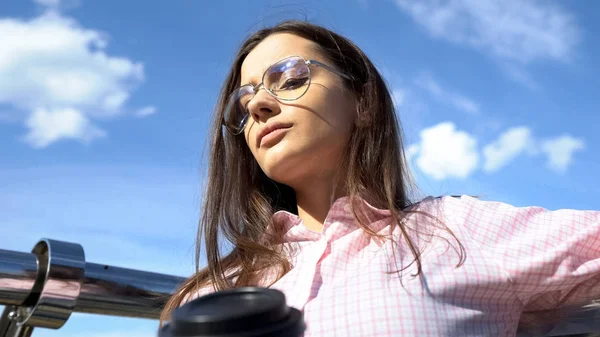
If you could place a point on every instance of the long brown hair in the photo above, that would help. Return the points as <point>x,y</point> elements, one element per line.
<point>240,199</point>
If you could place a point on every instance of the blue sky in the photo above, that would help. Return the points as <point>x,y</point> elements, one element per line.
<point>105,107</point>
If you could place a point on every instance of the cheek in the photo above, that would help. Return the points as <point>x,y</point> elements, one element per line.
<point>334,111</point>
<point>250,136</point>
<point>324,132</point>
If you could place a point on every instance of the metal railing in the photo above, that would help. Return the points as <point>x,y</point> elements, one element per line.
<point>42,288</point>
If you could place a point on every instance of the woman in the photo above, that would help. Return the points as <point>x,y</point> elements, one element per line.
<point>308,181</point>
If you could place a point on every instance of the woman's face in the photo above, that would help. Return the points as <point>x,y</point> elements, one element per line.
<point>319,122</point>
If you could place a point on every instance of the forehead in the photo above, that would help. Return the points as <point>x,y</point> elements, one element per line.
<point>273,49</point>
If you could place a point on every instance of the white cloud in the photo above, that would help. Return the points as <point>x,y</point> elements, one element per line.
<point>560,151</point>
<point>445,152</point>
<point>146,111</point>
<point>114,101</point>
<point>46,127</point>
<point>55,70</point>
<point>427,82</point>
<point>514,32</point>
<point>507,147</point>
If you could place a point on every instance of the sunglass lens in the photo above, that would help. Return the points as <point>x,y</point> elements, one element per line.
<point>236,111</point>
<point>288,79</point>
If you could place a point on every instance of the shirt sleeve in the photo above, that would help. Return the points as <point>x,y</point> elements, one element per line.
<point>552,258</point>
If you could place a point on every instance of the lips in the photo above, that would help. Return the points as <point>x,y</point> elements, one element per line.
<point>270,128</point>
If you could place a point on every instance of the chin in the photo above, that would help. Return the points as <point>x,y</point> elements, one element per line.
<point>279,167</point>
<point>277,173</point>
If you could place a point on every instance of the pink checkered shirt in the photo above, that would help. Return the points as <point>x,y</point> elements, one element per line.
<point>521,263</point>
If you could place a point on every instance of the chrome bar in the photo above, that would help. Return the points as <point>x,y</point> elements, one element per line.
<point>124,292</point>
<point>45,286</point>
<point>60,272</point>
<point>17,276</point>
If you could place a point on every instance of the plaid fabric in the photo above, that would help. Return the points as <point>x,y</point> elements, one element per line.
<point>520,265</point>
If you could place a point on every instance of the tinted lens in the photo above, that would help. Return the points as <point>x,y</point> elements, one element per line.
<point>288,79</point>
<point>235,112</point>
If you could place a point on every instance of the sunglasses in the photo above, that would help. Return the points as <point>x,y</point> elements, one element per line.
<point>286,80</point>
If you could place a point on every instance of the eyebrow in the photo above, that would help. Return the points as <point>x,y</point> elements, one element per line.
<point>253,80</point>
<point>314,48</point>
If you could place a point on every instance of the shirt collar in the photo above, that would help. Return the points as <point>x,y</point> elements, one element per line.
<point>339,221</point>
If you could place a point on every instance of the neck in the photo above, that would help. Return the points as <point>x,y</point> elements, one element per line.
<point>314,200</point>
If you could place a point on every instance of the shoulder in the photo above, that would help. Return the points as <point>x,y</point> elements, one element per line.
<point>501,224</point>
<point>464,207</point>
<point>467,213</point>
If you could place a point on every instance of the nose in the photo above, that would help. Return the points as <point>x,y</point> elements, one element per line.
<point>263,105</point>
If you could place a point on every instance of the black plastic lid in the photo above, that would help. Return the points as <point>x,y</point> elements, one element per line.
<point>241,312</point>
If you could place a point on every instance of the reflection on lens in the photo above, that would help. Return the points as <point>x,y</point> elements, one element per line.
<point>235,112</point>
<point>288,79</point>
